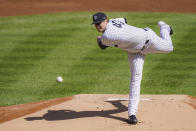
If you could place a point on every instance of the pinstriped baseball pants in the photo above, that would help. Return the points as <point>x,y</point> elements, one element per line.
<point>162,44</point>
<point>136,62</point>
<point>156,44</point>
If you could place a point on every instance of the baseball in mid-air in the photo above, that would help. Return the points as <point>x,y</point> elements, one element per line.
<point>59,79</point>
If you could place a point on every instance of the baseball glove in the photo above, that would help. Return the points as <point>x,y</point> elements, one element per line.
<point>103,47</point>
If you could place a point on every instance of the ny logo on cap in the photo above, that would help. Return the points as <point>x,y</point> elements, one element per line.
<point>95,17</point>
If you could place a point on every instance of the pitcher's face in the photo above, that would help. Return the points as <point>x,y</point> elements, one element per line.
<point>101,26</point>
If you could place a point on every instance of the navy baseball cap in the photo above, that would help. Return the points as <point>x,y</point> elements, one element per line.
<point>99,17</point>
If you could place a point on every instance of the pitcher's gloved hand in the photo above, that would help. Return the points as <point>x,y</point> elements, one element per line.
<point>103,47</point>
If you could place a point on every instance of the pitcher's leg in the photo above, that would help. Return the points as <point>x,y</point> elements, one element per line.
<point>158,44</point>
<point>136,62</point>
<point>165,32</point>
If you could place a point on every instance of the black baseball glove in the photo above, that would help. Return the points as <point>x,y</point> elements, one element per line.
<point>103,47</point>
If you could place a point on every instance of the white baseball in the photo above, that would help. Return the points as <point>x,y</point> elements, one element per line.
<point>59,79</point>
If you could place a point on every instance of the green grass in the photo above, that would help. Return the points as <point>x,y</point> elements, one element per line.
<point>36,49</point>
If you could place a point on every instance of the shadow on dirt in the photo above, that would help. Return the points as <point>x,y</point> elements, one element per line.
<point>54,115</point>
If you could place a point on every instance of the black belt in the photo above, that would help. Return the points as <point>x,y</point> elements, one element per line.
<point>145,42</point>
<point>144,45</point>
<point>145,29</point>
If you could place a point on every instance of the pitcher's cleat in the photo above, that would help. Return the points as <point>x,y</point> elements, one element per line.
<point>132,120</point>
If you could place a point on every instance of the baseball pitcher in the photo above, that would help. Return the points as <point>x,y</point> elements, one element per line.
<point>137,42</point>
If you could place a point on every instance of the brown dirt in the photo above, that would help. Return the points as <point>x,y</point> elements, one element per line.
<point>26,7</point>
<point>192,101</point>
<point>88,112</point>
<point>11,112</point>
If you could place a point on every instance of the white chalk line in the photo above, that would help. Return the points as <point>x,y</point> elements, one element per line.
<point>125,99</point>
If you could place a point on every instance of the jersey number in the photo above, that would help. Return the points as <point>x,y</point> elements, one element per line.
<point>117,23</point>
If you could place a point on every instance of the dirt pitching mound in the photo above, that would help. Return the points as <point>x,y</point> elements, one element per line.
<point>109,112</point>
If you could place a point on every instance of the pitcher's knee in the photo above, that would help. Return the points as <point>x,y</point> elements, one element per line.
<point>170,49</point>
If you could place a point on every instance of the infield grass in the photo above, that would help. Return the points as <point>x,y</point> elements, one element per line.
<point>36,49</point>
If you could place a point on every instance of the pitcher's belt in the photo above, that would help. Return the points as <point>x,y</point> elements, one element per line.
<point>145,42</point>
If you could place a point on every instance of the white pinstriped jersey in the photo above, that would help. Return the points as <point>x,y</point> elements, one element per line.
<point>122,35</point>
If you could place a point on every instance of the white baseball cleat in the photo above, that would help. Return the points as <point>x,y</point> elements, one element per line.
<point>162,24</point>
